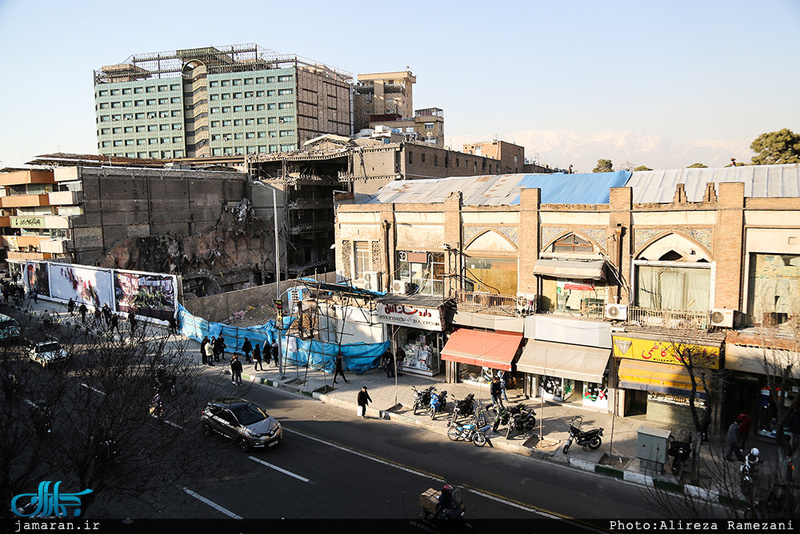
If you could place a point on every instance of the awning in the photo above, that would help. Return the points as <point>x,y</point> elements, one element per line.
<point>566,361</point>
<point>660,377</point>
<point>576,270</point>
<point>760,360</point>
<point>482,347</point>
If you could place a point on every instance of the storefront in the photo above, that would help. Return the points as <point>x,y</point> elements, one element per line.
<point>477,354</point>
<point>414,326</point>
<point>653,380</point>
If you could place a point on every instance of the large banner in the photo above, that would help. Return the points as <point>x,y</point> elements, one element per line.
<point>36,278</point>
<point>148,295</point>
<point>82,284</point>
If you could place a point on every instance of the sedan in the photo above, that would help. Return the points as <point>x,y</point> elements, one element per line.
<point>242,421</point>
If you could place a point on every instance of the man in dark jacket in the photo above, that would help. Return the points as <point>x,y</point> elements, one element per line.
<point>496,390</point>
<point>203,352</point>
<point>246,348</point>
<point>339,368</point>
<point>388,361</point>
<point>236,370</point>
<point>363,399</point>
<point>219,348</point>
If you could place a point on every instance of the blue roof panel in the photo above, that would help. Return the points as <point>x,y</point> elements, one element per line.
<point>590,188</point>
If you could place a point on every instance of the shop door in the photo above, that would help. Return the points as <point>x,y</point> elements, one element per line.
<point>635,402</point>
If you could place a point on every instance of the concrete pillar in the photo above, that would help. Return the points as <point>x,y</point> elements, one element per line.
<point>729,246</point>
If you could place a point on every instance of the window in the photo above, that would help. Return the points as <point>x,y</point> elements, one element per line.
<point>174,87</point>
<point>287,148</point>
<point>673,288</point>
<point>103,105</point>
<point>214,97</point>
<point>249,107</point>
<point>259,93</point>
<point>176,140</point>
<point>361,262</point>
<point>262,135</point>
<point>273,148</point>
<point>215,124</point>
<point>237,82</point>
<point>141,128</point>
<point>410,157</point>
<point>103,92</point>
<point>248,94</point>
<point>129,142</point>
<point>260,120</point>
<point>127,104</point>
<point>141,141</point>
<point>238,135</point>
<point>152,128</point>
<point>175,100</point>
<point>226,83</point>
<point>285,133</point>
<point>163,127</point>
<point>423,269</point>
<point>269,106</point>
<point>286,105</point>
<point>162,88</point>
<point>250,135</point>
<point>118,142</point>
<point>237,95</point>
<point>435,160</point>
<point>285,78</point>
<point>272,120</point>
<point>260,80</point>
<point>114,92</point>
<point>165,140</point>
<point>227,122</point>
<point>138,103</point>
<point>163,101</point>
<point>237,122</point>
<point>116,130</point>
<point>286,119</point>
<point>260,107</point>
<point>271,92</point>
<point>104,131</point>
<point>226,96</point>
<point>137,90</point>
<point>106,143</point>
<point>151,89</point>
<point>270,79</point>
<point>249,121</point>
<point>573,245</point>
<point>216,151</point>
<point>248,81</point>
<point>285,92</point>
<point>214,110</point>
<point>237,109</point>
<point>151,102</point>
<point>226,109</point>
<point>429,126</point>
<point>177,126</point>
<point>129,129</point>
<point>423,157</point>
<point>115,104</point>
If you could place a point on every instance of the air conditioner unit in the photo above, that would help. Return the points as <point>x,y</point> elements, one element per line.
<point>372,280</point>
<point>526,303</point>
<point>618,312</point>
<point>722,317</point>
<point>399,287</point>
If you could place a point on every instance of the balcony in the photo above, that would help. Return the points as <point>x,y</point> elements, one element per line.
<point>491,303</point>
<point>24,256</point>
<point>24,201</point>
<point>65,198</point>
<point>672,319</point>
<point>54,246</point>
<point>39,221</point>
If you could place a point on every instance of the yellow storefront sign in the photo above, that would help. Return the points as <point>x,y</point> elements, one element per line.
<point>673,352</point>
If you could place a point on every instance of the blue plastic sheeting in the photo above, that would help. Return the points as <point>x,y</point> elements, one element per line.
<point>357,357</point>
<point>561,188</point>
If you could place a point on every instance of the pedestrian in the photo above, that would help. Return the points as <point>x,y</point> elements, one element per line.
<point>257,358</point>
<point>745,423</point>
<point>114,322</point>
<point>71,306</point>
<point>398,361</point>
<point>173,325</point>
<point>246,348</point>
<point>106,314</point>
<point>733,442</point>
<point>276,353</point>
<point>97,317</point>
<point>388,361</point>
<point>35,295</point>
<point>219,349</point>
<point>496,389</point>
<point>339,368</point>
<point>503,383</point>
<point>363,399</point>
<point>236,370</point>
<point>210,351</point>
<point>82,310</point>
<point>203,344</point>
<point>132,321</point>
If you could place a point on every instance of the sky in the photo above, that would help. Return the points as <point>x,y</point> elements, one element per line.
<point>673,72</point>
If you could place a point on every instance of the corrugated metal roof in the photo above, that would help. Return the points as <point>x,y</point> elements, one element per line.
<point>503,190</point>
<point>760,181</point>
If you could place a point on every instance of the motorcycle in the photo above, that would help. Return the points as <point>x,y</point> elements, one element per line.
<point>504,415</point>
<point>165,383</point>
<point>680,450</point>
<point>748,472</point>
<point>464,407</point>
<point>467,432</point>
<point>438,403</point>
<point>156,407</point>
<point>441,519</point>
<point>422,397</point>
<point>588,438</point>
<point>521,422</point>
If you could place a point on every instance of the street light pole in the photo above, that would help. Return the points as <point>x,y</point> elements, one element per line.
<point>281,374</point>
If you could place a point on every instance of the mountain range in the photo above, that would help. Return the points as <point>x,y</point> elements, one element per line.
<point>627,150</point>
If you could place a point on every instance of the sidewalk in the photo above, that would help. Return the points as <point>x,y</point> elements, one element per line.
<point>392,399</point>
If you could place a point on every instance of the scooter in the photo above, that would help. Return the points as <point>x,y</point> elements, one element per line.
<point>588,438</point>
<point>422,397</point>
<point>680,450</point>
<point>464,407</point>
<point>467,432</point>
<point>438,403</point>
<point>521,422</point>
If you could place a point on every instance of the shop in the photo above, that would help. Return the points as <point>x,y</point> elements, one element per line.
<point>414,326</point>
<point>476,355</point>
<point>654,382</point>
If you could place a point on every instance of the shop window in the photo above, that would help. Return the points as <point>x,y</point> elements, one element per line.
<point>423,270</point>
<point>773,289</point>
<point>572,296</point>
<point>673,288</point>
<point>492,275</point>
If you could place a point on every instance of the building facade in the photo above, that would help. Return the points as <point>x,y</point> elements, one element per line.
<point>217,101</point>
<point>385,93</point>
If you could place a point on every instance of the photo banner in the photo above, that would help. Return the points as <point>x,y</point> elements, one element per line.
<point>36,277</point>
<point>82,284</point>
<point>147,295</point>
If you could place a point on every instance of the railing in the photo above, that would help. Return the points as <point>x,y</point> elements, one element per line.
<point>494,303</point>
<point>675,319</point>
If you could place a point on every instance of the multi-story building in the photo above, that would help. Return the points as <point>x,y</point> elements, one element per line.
<point>217,101</point>
<point>511,156</point>
<point>591,289</point>
<point>385,93</point>
<point>427,125</point>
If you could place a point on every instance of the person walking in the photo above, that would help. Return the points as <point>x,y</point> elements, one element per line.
<point>733,442</point>
<point>388,361</point>
<point>503,383</point>
<point>363,399</point>
<point>219,349</point>
<point>210,351</point>
<point>276,353</point>
<point>82,310</point>
<point>236,370</point>
<point>246,348</point>
<point>398,360</point>
<point>257,358</point>
<point>132,321</point>
<point>70,306</point>
<point>496,390</point>
<point>97,317</point>
<point>203,350</point>
<point>106,314</point>
<point>115,323</point>
<point>339,368</point>
<point>745,424</point>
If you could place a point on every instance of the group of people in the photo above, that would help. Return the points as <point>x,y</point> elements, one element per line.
<point>736,438</point>
<point>102,315</point>
<point>390,362</point>
<point>212,350</point>
<point>498,389</point>
<point>270,352</point>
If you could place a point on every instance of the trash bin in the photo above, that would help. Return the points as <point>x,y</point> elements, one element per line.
<point>652,449</point>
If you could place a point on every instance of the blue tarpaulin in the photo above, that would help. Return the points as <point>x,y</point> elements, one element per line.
<point>358,357</point>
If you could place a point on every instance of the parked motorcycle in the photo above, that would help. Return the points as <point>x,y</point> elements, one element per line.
<point>588,438</point>
<point>467,432</point>
<point>521,422</point>
<point>464,407</point>
<point>680,450</point>
<point>504,415</point>
<point>422,397</point>
<point>438,403</point>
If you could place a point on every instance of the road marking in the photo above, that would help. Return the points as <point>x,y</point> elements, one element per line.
<point>211,504</point>
<point>276,468</point>
<point>87,386</point>
<point>176,425</point>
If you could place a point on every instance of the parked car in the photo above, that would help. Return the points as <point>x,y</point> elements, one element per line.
<point>46,352</point>
<point>242,421</point>
<point>9,329</point>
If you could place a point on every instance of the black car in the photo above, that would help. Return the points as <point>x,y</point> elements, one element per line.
<point>245,423</point>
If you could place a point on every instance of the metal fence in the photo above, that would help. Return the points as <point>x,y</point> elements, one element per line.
<point>494,303</point>
<point>675,319</point>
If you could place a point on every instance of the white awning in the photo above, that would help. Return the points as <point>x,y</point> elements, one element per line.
<point>563,360</point>
<point>758,360</point>
<point>575,270</point>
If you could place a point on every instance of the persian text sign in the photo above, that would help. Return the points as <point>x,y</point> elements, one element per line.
<point>27,222</point>
<point>411,316</point>
<point>666,351</point>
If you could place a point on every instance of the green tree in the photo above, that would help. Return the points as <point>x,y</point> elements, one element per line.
<point>604,165</point>
<point>697,166</point>
<point>642,168</point>
<point>775,148</point>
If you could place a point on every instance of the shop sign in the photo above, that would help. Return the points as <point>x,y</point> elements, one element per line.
<point>666,352</point>
<point>27,222</point>
<point>577,286</point>
<point>411,316</point>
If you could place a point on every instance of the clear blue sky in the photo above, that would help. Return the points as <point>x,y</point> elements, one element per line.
<point>684,69</point>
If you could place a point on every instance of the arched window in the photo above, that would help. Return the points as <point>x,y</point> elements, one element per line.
<point>572,244</point>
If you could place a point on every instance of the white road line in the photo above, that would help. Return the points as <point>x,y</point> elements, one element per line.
<point>276,468</point>
<point>211,504</point>
<point>176,425</point>
<point>90,387</point>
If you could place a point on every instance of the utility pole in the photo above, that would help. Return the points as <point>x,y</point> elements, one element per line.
<point>279,324</point>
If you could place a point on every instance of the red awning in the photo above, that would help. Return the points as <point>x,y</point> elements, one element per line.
<point>481,347</point>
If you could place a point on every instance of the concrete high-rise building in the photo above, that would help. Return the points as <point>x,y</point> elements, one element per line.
<point>217,101</point>
<point>385,93</point>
